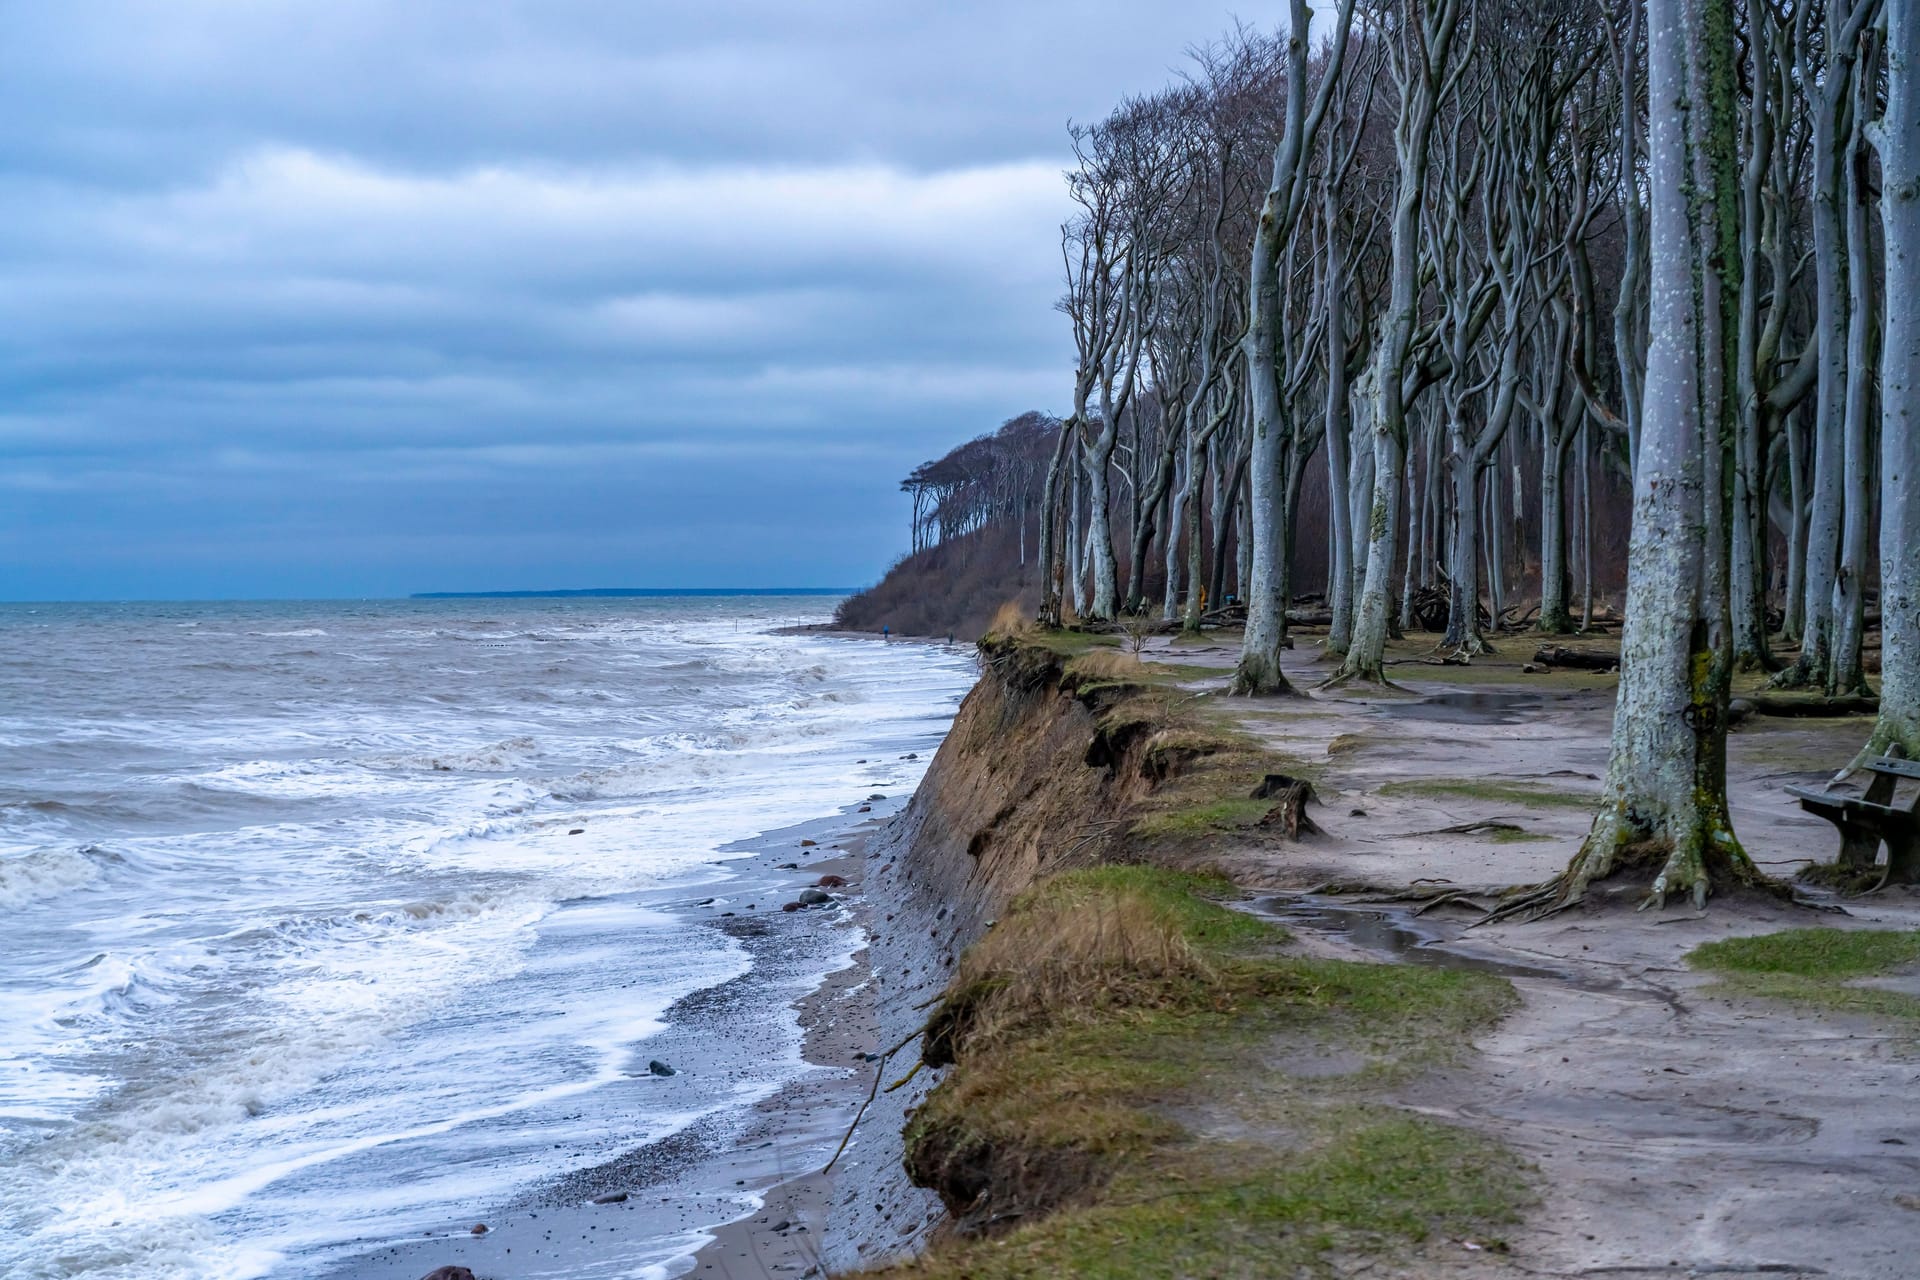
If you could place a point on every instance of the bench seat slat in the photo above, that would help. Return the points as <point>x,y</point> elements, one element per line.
<point>1851,804</point>
<point>1895,766</point>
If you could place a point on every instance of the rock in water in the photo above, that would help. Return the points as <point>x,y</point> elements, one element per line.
<point>448,1273</point>
<point>479,1229</point>
<point>814,898</point>
<point>660,1068</point>
<point>831,882</point>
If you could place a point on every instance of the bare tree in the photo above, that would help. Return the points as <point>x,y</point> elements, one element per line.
<point>1897,139</point>
<point>1269,512</point>
<point>1422,36</point>
<point>1663,808</point>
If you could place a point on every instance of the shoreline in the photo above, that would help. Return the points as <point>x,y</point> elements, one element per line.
<point>666,1207</point>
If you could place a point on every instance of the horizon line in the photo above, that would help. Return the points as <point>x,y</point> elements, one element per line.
<point>557,593</point>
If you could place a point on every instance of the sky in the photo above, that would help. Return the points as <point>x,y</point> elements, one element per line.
<point>345,298</point>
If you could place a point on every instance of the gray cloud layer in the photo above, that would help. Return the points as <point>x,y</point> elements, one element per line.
<point>362,298</point>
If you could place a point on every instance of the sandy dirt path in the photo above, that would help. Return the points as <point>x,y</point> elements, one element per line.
<point>1679,1130</point>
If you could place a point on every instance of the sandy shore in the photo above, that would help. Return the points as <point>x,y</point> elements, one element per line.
<point>745,1181</point>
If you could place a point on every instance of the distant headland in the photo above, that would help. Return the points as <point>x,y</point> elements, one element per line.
<point>604,592</point>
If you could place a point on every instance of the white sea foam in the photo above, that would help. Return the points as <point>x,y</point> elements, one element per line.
<point>29,876</point>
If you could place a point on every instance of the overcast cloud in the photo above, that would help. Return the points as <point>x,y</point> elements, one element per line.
<point>344,298</point>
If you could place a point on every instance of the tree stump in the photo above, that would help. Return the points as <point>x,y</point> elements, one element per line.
<point>1290,813</point>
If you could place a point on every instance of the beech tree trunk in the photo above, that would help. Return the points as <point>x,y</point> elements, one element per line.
<point>1339,450</point>
<point>1898,141</point>
<point>1421,59</point>
<point>1106,585</point>
<point>1269,511</point>
<point>1052,570</point>
<point>1663,807</point>
<point>1846,672</point>
<point>1555,581</point>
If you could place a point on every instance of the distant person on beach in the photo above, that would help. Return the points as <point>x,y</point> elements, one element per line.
<point>886,632</point>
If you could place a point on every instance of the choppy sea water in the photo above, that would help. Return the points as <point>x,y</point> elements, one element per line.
<point>318,918</point>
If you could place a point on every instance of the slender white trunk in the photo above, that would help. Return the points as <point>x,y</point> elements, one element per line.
<point>1423,61</point>
<point>1370,614</point>
<point>1845,671</point>
<point>1663,804</point>
<point>1339,460</point>
<point>1106,587</point>
<point>1359,489</point>
<point>1898,140</point>
<point>1796,592</point>
<point>1586,529</point>
<point>1269,510</point>
<point>1170,591</point>
<point>1830,396</point>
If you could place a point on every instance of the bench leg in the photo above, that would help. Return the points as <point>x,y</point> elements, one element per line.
<point>1903,857</point>
<point>1859,846</point>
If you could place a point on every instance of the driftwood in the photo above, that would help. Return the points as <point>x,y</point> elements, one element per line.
<point>1559,655</point>
<point>1293,795</point>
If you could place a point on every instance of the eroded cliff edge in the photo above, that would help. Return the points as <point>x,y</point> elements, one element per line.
<point>1113,1020</point>
<point>1041,761</point>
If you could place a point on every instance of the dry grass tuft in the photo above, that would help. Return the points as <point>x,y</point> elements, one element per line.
<point>1106,664</point>
<point>1010,620</point>
<point>1070,957</point>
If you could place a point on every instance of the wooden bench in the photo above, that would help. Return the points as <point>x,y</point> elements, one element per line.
<point>1870,819</point>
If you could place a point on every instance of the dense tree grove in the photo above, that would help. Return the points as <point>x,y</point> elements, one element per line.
<point>1469,266</point>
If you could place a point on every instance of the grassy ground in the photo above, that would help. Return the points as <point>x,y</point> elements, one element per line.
<point>1204,770</point>
<point>1817,968</point>
<point>1150,1084</point>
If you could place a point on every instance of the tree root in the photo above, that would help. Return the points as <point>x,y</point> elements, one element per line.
<point>879,1074</point>
<point>1464,652</point>
<point>1794,675</point>
<point>1260,680</point>
<point>1526,903</point>
<point>1343,681</point>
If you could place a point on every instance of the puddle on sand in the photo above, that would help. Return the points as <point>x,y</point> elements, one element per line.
<point>1467,708</point>
<point>1395,934</point>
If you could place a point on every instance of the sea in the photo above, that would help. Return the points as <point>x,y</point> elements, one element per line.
<point>319,918</point>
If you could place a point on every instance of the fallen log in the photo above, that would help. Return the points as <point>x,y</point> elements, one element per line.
<point>1787,704</point>
<point>1560,655</point>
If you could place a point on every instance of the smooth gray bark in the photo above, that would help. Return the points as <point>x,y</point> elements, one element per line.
<point>1898,141</point>
<point>1423,65</point>
<point>1269,510</point>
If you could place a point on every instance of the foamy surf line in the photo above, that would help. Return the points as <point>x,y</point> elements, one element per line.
<point>646,1210</point>
<point>415,959</point>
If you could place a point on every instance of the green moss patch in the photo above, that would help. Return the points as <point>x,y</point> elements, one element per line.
<point>1198,820</point>
<point>1815,967</point>
<point>1812,953</point>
